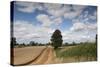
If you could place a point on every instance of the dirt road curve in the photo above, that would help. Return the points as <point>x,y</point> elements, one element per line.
<point>46,57</point>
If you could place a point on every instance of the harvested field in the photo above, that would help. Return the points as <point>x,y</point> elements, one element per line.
<point>26,54</point>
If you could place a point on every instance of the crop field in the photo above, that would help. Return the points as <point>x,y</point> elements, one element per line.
<point>84,52</point>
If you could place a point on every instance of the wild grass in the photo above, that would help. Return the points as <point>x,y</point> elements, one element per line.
<point>87,50</point>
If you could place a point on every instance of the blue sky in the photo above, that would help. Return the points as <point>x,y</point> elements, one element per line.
<point>37,21</point>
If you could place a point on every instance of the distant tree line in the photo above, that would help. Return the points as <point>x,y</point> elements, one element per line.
<point>80,43</point>
<point>14,43</point>
<point>56,42</point>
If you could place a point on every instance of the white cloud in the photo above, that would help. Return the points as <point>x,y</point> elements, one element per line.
<point>22,29</point>
<point>80,32</point>
<point>94,16</point>
<point>92,26</point>
<point>53,6</point>
<point>47,21</point>
<point>78,7</point>
<point>59,10</point>
<point>71,15</point>
<point>28,7</point>
<point>25,31</point>
<point>75,11</point>
<point>56,10</point>
<point>57,21</point>
<point>79,26</point>
<point>44,19</point>
<point>82,36</point>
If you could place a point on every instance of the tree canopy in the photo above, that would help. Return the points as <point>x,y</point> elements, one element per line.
<point>56,39</point>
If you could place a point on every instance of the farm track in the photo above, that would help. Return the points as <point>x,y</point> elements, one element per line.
<point>45,57</point>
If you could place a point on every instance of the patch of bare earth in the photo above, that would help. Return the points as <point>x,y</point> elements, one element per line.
<point>47,57</point>
<point>26,54</point>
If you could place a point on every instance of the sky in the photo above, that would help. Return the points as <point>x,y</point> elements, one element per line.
<point>34,21</point>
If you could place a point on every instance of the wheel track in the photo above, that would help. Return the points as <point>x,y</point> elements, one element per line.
<point>43,57</point>
<point>29,62</point>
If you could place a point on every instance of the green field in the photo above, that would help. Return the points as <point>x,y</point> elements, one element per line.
<point>81,52</point>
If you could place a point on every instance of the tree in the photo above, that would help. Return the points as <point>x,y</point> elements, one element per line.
<point>13,41</point>
<point>73,43</point>
<point>32,43</point>
<point>23,44</point>
<point>56,39</point>
<point>66,44</point>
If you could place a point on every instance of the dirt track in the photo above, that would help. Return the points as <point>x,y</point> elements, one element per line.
<point>39,56</point>
<point>47,57</point>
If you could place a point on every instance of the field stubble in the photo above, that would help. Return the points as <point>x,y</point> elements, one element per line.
<point>23,55</point>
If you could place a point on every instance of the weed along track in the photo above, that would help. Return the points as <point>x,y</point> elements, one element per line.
<point>44,57</point>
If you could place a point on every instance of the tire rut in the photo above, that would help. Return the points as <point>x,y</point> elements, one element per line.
<point>31,61</point>
<point>45,57</point>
